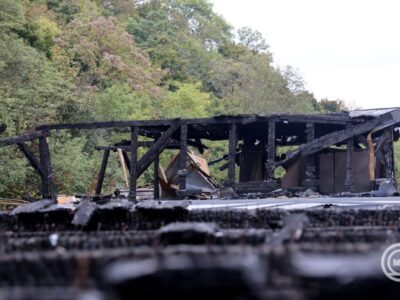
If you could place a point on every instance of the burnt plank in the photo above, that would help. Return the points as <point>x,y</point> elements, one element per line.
<point>133,164</point>
<point>156,148</point>
<point>31,158</point>
<point>233,140</point>
<point>48,190</point>
<point>238,119</point>
<point>102,172</point>
<point>156,179</point>
<point>342,135</point>
<point>310,180</point>
<point>183,158</point>
<point>22,138</point>
<point>271,150</point>
<point>389,154</point>
<point>349,181</point>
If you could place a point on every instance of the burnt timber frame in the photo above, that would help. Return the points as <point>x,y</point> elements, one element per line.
<point>43,165</point>
<point>312,134</point>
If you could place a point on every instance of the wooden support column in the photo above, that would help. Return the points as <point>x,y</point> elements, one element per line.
<point>349,181</point>
<point>311,179</point>
<point>133,163</point>
<point>156,180</point>
<point>102,172</point>
<point>389,154</point>
<point>271,148</point>
<point>233,140</point>
<point>183,158</point>
<point>48,190</point>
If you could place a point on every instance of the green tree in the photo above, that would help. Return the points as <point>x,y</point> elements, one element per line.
<point>252,39</point>
<point>187,101</point>
<point>98,54</point>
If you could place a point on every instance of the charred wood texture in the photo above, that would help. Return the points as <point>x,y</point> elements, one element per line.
<point>183,158</point>
<point>48,189</point>
<point>102,172</point>
<point>133,163</point>
<point>156,148</point>
<point>271,151</point>
<point>311,180</point>
<point>349,181</point>
<point>233,140</point>
<point>31,158</point>
<point>340,136</point>
<point>22,138</point>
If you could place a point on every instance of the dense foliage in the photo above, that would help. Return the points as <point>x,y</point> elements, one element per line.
<point>83,60</point>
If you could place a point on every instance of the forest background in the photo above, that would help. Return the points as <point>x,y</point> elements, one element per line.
<point>97,60</point>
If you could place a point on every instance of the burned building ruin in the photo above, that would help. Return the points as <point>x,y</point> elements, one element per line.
<point>328,153</point>
<point>253,242</point>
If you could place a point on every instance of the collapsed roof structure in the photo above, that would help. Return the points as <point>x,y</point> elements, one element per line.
<point>324,248</point>
<point>328,153</point>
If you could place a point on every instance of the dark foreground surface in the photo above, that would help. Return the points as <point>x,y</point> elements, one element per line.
<point>312,248</point>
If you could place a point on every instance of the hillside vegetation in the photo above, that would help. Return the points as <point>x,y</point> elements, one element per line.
<point>81,60</point>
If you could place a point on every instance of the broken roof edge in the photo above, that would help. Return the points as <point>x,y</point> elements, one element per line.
<point>336,118</point>
<point>371,112</point>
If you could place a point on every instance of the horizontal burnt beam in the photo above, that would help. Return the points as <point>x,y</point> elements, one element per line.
<point>248,119</point>
<point>22,138</point>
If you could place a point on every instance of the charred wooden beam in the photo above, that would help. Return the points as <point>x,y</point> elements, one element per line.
<point>242,119</point>
<point>22,138</point>
<point>183,158</point>
<point>336,137</point>
<point>48,189</point>
<point>172,144</point>
<point>156,148</point>
<point>315,119</point>
<point>147,123</point>
<point>349,181</point>
<point>384,138</point>
<point>102,172</point>
<point>156,181</point>
<point>233,140</point>
<point>311,180</point>
<point>388,154</point>
<point>271,151</point>
<point>133,164</point>
<point>31,158</point>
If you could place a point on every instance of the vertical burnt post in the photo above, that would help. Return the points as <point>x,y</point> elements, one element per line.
<point>183,158</point>
<point>156,180</point>
<point>233,140</point>
<point>349,181</point>
<point>102,172</point>
<point>47,190</point>
<point>271,151</point>
<point>133,163</point>
<point>392,156</point>
<point>389,154</point>
<point>311,180</point>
